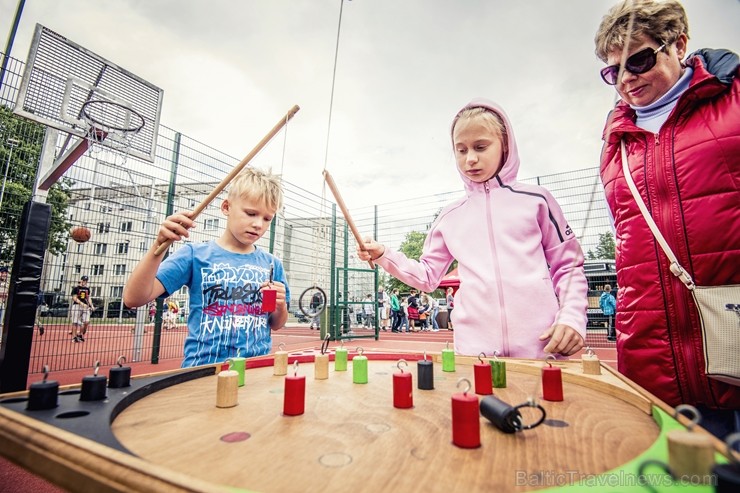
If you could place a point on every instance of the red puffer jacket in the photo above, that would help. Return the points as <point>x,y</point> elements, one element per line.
<point>689,176</point>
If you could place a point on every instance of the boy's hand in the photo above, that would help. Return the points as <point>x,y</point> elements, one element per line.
<point>175,227</point>
<point>279,288</point>
<point>373,250</point>
<point>564,340</point>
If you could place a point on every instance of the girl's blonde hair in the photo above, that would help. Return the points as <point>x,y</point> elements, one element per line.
<point>488,118</point>
<point>258,185</point>
<point>661,20</point>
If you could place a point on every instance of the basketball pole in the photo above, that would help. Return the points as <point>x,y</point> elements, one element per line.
<point>11,40</point>
<point>237,169</point>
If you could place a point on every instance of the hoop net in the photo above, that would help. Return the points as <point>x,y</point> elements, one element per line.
<point>113,123</point>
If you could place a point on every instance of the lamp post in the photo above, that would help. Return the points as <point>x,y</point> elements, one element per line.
<point>12,143</point>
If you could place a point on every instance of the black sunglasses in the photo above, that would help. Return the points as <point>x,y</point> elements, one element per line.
<point>639,63</point>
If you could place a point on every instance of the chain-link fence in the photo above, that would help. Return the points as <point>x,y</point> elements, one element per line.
<point>122,200</point>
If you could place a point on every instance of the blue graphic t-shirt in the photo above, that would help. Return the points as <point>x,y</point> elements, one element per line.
<point>225,318</point>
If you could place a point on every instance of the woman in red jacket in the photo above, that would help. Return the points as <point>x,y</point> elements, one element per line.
<point>679,118</point>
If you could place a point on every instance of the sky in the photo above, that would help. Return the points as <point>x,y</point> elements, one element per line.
<point>231,69</point>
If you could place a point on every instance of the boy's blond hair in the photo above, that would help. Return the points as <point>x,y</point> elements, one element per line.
<point>661,20</point>
<point>258,185</point>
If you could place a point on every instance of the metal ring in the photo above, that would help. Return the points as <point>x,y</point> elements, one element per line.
<point>359,350</point>
<point>102,125</point>
<point>295,368</point>
<point>691,410</point>
<point>97,368</point>
<point>121,360</point>
<point>652,462</point>
<point>532,403</point>
<point>281,346</point>
<point>481,356</point>
<point>46,372</point>
<point>398,365</point>
<point>308,313</point>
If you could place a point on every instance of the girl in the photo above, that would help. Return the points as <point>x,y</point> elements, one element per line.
<point>522,291</point>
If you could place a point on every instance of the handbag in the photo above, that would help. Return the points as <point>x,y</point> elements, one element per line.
<point>718,306</point>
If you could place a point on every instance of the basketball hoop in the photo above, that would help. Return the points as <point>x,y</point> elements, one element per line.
<point>112,122</point>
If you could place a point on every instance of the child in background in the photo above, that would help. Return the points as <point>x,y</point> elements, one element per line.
<point>522,286</point>
<point>225,277</point>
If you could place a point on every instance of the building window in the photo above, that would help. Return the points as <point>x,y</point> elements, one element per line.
<point>126,227</point>
<point>95,291</point>
<point>78,269</point>
<point>122,248</point>
<point>116,291</point>
<point>101,248</point>
<point>210,224</point>
<point>103,227</point>
<point>119,269</point>
<point>98,269</point>
<point>142,246</point>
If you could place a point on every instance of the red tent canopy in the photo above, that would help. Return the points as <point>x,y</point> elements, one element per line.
<point>451,279</point>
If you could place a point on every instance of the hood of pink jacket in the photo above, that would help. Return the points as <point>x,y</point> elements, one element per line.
<point>510,169</point>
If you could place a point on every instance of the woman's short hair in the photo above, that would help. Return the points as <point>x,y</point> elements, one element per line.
<point>661,20</point>
<point>258,185</point>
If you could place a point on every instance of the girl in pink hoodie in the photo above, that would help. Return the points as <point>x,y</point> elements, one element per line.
<point>522,287</point>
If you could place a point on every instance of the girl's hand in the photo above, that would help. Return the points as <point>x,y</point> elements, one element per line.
<point>372,250</point>
<point>564,340</point>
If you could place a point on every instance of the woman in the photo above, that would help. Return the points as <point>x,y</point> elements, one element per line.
<point>680,122</point>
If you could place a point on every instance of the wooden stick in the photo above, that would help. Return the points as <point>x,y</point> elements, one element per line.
<point>219,188</point>
<point>338,197</point>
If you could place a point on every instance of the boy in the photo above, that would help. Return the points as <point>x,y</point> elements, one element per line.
<point>81,308</point>
<point>225,277</point>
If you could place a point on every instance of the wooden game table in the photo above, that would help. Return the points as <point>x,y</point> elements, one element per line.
<point>165,433</point>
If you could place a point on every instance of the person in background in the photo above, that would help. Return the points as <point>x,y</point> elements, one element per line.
<point>384,302</point>
<point>679,119</point>
<point>608,306</point>
<point>4,290</point>
<point>433,311</point>
<point>450,298</point>
<point>404,315</point>
<point>412,310</point>
<point>396,314</point>
<point>514,248</point>
<point>369,309</point>
<point>316,301</point>
<point>170,316</point>
<point>225,277</point>
<point>82,306</point>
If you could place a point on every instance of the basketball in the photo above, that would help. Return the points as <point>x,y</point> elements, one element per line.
<point>80,234</point>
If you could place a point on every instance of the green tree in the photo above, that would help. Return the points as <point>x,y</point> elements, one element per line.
<point>20,149</point>
<point>605,249</point>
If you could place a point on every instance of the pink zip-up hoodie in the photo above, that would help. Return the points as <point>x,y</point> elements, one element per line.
<point>520,265</point>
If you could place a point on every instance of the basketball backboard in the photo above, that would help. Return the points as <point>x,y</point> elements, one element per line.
<point>61,76</point>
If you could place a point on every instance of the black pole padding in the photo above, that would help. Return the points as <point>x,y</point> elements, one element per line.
<point>24,288</point>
